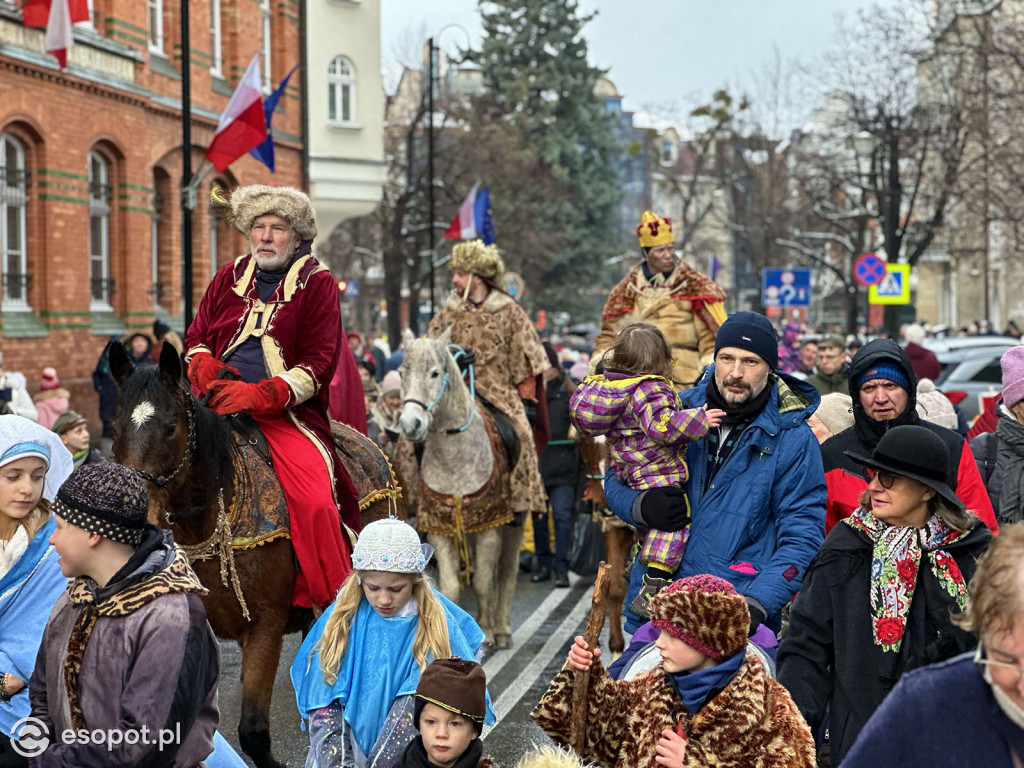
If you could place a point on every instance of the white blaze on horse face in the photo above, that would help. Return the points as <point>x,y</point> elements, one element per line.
<point>142,413</point>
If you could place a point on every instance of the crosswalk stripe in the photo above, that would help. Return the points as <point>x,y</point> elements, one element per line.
<point>518,687</point>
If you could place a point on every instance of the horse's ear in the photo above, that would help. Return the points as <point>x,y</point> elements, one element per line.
<point>121,367</point>
<point>446,337</point>
<point>170,364</point>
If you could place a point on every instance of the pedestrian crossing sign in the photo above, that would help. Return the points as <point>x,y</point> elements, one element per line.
<point>894,287</point>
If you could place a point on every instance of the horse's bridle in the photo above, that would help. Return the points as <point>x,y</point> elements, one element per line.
<point>456,352</point>
<point>190,414</point>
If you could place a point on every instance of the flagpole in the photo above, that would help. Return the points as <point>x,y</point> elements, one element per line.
<point>187,187</point>
<point>430,170</point>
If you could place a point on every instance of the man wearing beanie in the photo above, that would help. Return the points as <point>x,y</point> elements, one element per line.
<point>665,291</point>
<point>884,391</point>
<point>127,652</point>
<point>709,702</point>
<point>451,702</point>
<point>756,487</point>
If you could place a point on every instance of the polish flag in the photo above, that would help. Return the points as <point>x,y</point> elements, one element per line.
<point>243,125</point>
<point>57,16</point>
<point>474,218</point>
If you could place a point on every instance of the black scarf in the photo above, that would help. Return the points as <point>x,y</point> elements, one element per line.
<point>871,431</point>
<point>742,412</point>
<point>416,755</point>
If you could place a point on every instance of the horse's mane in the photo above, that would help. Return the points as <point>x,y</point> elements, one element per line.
<point>211,431</point>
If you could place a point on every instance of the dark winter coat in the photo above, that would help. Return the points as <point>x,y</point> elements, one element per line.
<point>846,480</point>
<point>985,448</point>
<point>152,662</point>
<point>943,715</point>
<point>829,659</point>
<point>827,384</point>
<point>560,462</point>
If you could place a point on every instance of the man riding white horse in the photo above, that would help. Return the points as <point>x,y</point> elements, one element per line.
<point>273,314</point>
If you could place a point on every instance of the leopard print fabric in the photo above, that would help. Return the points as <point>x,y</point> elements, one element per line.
<point>752,723</point>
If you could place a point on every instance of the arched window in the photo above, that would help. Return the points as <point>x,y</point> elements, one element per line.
<point>13,203</point>
<point>101,284</point>
<point>341,91</point>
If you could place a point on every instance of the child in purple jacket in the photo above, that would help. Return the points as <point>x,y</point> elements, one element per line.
<point>635,406</point>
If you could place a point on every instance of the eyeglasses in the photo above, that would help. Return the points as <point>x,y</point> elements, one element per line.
<point>885,478</point>
<point>982,661</point>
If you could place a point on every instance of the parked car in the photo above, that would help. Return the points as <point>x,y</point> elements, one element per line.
<point>968,374</point>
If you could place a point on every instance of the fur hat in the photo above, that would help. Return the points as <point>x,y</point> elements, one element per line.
<point>390,545</point>
<point>934,406</point>
<point>475,257</point>
<point>104,498</point>
<point>248,203</point>
<point>836,412</point>
<point>1012,363</point>
<point>549,756</point>
<point>654,230</point>
<point>68,421</point>
<point>705,612</point>
<point>392,382</point>
<point>50,379</point>
<point>455,684</point>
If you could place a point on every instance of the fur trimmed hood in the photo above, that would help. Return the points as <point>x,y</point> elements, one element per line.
<point>247,203</point>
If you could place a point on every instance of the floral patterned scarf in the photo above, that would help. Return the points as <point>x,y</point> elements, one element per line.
<point>895,564</point>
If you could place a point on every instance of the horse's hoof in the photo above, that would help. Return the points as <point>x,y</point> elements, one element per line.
<point>502,641</point>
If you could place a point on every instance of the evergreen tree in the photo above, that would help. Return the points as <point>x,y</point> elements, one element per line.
<point>534,58</point>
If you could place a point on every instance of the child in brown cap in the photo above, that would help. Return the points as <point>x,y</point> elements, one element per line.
<point>710,702</point>
<point>451,703</point>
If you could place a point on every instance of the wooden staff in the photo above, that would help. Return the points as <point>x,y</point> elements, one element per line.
<point>581,680</point>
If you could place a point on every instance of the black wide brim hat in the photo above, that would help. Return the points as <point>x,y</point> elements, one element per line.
<point>915,452</point>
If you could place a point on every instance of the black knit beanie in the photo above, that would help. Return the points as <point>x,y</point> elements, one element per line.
<point>104,498</point>
<point>751,332</point>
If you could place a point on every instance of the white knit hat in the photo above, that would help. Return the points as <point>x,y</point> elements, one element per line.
<point>836,412</point>
<point>934,406</point>
<point>392,382</point>
<point>390,545</point>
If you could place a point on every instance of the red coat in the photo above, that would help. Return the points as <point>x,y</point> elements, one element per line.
<point>300,333</point>
<point>924,362</point>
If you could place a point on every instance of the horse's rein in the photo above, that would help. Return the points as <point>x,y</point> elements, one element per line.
<point>459,351</point>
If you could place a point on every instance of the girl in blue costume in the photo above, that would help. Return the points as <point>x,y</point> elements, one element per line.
<point>369,647</point>
<point>33,464</point>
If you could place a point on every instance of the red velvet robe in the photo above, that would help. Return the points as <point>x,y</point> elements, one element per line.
<point>300,335</point>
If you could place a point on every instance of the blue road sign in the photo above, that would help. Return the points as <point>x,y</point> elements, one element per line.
<point>352,289</point>
<point>786,287</point>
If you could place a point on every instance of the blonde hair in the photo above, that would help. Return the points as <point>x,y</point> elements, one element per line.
<point>431,639</point>
<point>36,519</point>
<point>641,348</point>
<point>997,587</point>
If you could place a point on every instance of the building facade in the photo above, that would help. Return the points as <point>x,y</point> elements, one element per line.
<point>91,169</point>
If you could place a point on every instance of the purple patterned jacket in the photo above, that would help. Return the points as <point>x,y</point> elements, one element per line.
<point>646,427</point>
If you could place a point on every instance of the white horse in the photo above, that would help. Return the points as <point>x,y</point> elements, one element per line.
<point>464,498</point>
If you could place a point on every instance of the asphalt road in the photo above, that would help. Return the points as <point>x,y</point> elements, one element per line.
<point>544,621</point>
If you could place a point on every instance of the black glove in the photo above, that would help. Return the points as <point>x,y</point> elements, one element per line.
<point>757,615</point>
<point>531,411</point>
<point>665,509</point>
<point>464,360</point>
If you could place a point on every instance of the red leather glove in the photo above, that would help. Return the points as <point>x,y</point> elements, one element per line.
<point>264,397</point>
<point>204,369</point>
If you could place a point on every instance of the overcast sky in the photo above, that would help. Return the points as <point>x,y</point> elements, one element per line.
<point>662,55</point>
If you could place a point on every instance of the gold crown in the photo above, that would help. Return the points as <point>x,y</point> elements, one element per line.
<point>479,259</point>
<point>654,230</point>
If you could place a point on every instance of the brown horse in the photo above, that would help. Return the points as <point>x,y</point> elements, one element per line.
<point>618,538</point>
<point>186,454</point>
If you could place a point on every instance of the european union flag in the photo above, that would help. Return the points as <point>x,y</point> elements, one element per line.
<point>482,216</point>
<point>265,152</point>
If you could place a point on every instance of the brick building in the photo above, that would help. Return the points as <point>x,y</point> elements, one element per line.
<point>91,164</point>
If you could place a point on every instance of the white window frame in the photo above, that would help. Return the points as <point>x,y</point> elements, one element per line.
<point>341,83</point>
<point>216,40</point>
<point>214,236</point>
<point>155,36</point>
<point>14,196</point>
<point>99,208</point>
<point>265,26</point>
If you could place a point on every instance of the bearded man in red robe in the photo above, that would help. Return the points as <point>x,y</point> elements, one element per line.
<point>272,320</point>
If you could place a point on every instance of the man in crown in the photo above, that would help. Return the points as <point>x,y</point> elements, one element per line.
<point>663,290</point>
<point>509,360</point>
<point>266,340</point>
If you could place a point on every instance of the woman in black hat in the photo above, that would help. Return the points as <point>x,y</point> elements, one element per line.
<point>878,597</point>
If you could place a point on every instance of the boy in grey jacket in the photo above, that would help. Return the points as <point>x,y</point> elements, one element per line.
<point>127,671</point>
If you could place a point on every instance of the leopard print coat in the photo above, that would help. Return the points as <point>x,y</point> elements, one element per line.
<point>751,723</point>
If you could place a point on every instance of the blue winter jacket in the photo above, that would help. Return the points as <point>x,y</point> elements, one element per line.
<point>763,518</point>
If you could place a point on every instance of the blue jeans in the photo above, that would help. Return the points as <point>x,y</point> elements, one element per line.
<point>561,498</point>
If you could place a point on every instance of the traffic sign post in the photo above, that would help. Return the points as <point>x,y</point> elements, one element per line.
<point>869,269</point>
<point>789,287</point>
<point>894,287</point>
